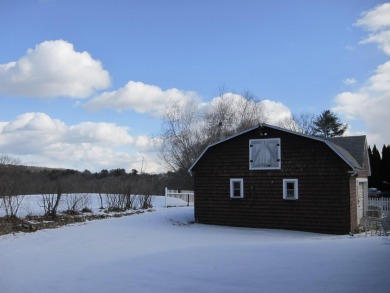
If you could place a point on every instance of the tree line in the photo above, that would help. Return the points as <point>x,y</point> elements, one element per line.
<point>17,178</point>
<point>380,168</point>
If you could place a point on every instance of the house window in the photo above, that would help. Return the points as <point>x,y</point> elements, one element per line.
<point>236,188</point>
<point>264,154</point>
<point>290,188</point>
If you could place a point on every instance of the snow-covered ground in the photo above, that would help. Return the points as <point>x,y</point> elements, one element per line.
<point>163,251</point>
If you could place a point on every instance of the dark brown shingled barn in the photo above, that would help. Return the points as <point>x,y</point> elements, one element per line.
<point>270,177</point>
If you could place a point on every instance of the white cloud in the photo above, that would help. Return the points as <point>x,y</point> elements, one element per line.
<point>381,38</point>
<point>140,97</point>
<point>234,101</point>
<point>51,69</point>
<point>144,141</point>
<point>349,81</point>
<point>371,109</point>
<point>102,133</point>
<point>87,156</point>
<point>275,111</point>
<point>377,21</point>
<point>370,103</point>
<point>38,139</point>
<point>376,18</point>
<point>30,132</point>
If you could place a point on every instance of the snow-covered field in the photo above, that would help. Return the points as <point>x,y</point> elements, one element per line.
<point>163,251</point>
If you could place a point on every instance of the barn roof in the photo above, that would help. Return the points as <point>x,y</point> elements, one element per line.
<point>351,149</point>
<point>355,145</point>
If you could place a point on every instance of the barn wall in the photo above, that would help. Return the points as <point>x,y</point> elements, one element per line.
<point>324,187</point>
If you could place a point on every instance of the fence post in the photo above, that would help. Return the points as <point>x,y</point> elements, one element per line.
<point>384,210</point>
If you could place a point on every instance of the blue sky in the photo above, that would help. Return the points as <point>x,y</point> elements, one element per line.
<point>83,84</point>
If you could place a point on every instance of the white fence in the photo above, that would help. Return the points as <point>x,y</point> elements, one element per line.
<point>185,195</point>
<point>383,203</point>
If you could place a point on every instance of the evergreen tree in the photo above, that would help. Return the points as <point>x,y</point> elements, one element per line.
<point>375,180</point>
<point>328,124</point>
<point>385,167</point>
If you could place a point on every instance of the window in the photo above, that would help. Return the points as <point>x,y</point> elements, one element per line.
<point>264,154</point>
<point>290,188</point>
<point>236,188</point>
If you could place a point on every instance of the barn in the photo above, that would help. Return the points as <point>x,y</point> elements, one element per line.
<point>270,177</point>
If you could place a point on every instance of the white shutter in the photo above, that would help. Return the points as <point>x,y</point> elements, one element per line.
<point>264,154</point>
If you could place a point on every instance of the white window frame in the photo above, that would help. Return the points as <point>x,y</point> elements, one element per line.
<point>285,193</point>
<point>234,180</point>
<point>252,166</point>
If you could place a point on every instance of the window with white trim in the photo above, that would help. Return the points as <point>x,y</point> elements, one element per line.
<point>237,188</point>
<point>290,189</point>
<point>264,154</point>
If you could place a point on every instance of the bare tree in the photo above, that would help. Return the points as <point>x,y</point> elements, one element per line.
<point>187,129</point>
<point>98,186</point>
<point>230,113</point>
<point>10,199</point>
<point>302,123</point>
<point>75,202</point>
<point>11,204</point>
<point>129,199</point>
<point>51,201</point>
<point>6,160</point>
<point>118,195</point>
<point>114,202</point>
<point>182,139</point>
<point>145,189</point>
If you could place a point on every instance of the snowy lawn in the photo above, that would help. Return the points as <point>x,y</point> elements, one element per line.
<point>163,251</point>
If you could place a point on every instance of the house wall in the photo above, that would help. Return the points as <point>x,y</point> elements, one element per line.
<point>363,174</point>
<point>324,186</point>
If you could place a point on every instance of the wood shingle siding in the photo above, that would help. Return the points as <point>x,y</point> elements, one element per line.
<point>324,186</point>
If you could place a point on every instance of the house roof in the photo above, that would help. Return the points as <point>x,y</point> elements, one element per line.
<point>355,146</point>
<point>351,149</point>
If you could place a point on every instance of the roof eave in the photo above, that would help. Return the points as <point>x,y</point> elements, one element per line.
<point>349,163</point>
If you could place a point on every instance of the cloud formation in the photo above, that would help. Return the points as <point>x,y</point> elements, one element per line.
<point>275,111</point>
<point>370,103</point>
<point>376,18</point>
<point>52,69</point>
<point>45,141</point>
<point>139,97</point>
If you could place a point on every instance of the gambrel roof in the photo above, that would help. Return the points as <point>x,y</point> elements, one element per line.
<point>351,149</point>
<point>355,145</point>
